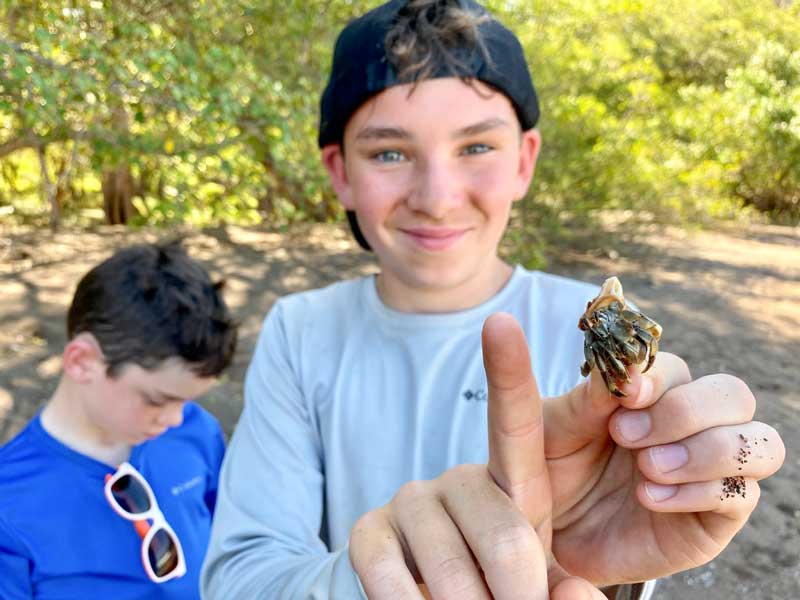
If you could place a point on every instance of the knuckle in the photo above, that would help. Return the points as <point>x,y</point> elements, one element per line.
<point>413,503</point>
<point>733,387</point>
<point>461,475</point>
<point>695,403</point>
<point>679,369</point>
<point>379,577</point>
<point>671,371</point>
<point>510,546</point>
<point>774,439</point>
<point>748,500</point>
<point>744,493</point>
<point>373,554</point>
<point>732,393</point>
<point>365,552</point>
<point>456,577</point>
<point>411,492</point>
<point>684,373</point>
<point>364,543</point>
<point>771,450</point>
<point>369,521</point>
<point>682,407</point>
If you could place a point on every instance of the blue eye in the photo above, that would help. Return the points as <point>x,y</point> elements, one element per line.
<point>477,149</point>
<point>388,156</point>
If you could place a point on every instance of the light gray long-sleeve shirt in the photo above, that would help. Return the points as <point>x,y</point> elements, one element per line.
<point>345,401</point>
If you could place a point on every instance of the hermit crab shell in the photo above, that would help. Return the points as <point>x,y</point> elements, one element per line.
<point>616,336</point>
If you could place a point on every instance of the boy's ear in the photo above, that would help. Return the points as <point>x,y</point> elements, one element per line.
<point>333,159</point>
<point>83,359</point>
<point>530,144</point>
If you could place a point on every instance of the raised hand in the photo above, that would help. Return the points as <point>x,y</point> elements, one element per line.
<point>659,481</point>
<point>516,428</point>
<point>472,532</point>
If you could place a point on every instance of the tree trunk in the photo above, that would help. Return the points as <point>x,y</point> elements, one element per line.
<point>118,191</point>
<point>49,190</point>
<point>116,181</point>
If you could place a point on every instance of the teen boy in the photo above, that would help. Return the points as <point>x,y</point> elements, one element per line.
<point>147,331</point>
<point>362,456</point>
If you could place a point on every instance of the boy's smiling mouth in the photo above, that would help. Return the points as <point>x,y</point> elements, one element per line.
<point>435,239</point>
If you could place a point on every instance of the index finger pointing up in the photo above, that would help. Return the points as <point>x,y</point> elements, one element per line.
<point>516,427</point>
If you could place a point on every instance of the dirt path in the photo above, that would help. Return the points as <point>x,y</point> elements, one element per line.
<point>729,301</point>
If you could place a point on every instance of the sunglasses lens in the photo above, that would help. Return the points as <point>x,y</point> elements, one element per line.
<point>162,553</point>
<point>130,495</point>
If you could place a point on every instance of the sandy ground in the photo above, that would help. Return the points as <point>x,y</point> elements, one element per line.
<point>729,301</point>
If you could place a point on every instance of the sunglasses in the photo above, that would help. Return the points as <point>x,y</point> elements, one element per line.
<point>132,498</point>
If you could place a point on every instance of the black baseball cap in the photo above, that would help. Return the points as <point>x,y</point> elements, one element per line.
<point>361,69</point>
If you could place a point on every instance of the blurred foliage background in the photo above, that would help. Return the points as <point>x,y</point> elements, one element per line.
<point>203,112</point>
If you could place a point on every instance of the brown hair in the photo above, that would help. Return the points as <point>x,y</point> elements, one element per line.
<point>151,302</point>
<point>429,35</point>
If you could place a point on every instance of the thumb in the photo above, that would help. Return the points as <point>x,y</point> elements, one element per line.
<point>581,416</point>
<point>516,431</point>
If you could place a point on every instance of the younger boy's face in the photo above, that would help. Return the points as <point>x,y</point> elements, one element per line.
<point>432,175</point>
<point>140,404</point>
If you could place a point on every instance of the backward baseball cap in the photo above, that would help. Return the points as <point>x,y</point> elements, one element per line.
<point>362,69</point>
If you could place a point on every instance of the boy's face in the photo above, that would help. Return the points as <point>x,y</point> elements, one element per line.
<point>140,404</point>
<point>432,176</point>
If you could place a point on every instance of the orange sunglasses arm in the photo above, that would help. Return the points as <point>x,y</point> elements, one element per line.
<point>141,527</point>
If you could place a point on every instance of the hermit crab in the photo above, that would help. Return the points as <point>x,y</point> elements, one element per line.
<point>616,336</point>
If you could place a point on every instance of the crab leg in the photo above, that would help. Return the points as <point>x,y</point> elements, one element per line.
<point>588,354</point>
<point>652,351</point>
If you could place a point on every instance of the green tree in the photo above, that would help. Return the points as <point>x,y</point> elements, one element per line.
<point>203,111</point>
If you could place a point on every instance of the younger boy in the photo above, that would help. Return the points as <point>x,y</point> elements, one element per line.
<point>147,332</point>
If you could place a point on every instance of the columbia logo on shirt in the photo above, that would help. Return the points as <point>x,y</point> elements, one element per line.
<point>475,395</point>
<point>186,485</point>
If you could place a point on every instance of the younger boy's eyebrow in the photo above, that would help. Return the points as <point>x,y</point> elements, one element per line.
<point>164,397</point>
<point>171,398</point>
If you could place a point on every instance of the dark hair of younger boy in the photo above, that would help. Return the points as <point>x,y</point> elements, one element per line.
<point>151,302</point>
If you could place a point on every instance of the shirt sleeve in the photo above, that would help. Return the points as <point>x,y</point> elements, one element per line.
<point>265,539</point>
<point>15,567</point>
<point>215,463</point>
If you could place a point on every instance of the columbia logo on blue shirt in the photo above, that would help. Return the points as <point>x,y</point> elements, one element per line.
<point>186,485</point>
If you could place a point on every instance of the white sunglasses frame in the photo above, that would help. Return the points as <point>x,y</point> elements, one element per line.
<point>154,514</point>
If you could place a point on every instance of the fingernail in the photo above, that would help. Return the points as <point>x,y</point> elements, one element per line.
<point>633,425</point>
<point>659,493</point>
<point>668,458</point>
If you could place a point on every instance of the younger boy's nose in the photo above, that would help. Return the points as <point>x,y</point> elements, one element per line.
<point>172,415</point>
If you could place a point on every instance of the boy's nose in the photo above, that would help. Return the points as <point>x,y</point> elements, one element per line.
<point>436,191</point>
<point>172,415</point>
